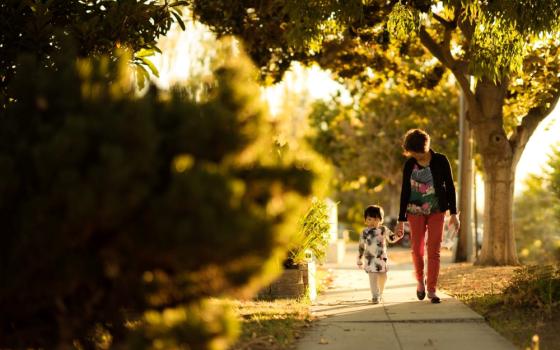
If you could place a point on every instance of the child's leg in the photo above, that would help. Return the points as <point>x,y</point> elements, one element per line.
<point>435,233</point>
<point>373,284</point>
<point>417,233</point>
<point>381,279</point>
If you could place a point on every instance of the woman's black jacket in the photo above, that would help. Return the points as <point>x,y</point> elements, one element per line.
<point>443,184</point>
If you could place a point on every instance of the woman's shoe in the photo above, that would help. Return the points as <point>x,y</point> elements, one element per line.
<point>421,294</point>
<point>434,299</point>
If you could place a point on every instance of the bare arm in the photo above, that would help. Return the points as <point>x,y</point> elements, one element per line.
<point>361,250</point>
<point>391,236</point>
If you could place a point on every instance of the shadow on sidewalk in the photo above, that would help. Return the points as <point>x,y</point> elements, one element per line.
<point>405,325</point>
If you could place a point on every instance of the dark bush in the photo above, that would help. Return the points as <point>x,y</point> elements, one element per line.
<point>121,215</point>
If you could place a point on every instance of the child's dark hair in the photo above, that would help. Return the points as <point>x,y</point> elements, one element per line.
<point>416,140</point>
<point>374,211</point>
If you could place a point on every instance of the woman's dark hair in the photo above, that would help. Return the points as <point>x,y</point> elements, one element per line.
<point>374,211</point>
<point>416,140</point>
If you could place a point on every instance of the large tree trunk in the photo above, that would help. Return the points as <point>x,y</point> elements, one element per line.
<point>498,246</point>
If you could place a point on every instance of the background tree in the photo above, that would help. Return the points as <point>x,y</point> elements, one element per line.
<point>363,140</point>
<point>97,27</point>
<point>510,48</point>
<point>536,226</point>
<point>554,176</point>
<point>537,215</point>
<point>118,211</point>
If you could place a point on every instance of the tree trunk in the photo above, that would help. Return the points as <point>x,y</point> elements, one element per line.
<point>465,243</point>
<point>394,194</point>
<point>498,245</point>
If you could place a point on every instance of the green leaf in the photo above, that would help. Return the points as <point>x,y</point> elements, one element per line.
<point>144,53</point>
<point>141,76</point>
<point>150,65</point>
<point>179,3</point>
<point>179,19</point>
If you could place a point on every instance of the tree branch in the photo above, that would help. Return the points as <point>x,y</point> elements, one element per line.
<point>432,46</point>
<point>467,27</point>
<point>528,125</point>
<point>443,54</point>
<point>447,24</point>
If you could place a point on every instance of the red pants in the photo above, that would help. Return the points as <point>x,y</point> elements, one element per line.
<point>419,225</point>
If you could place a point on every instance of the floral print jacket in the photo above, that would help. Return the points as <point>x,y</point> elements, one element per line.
<point>373,247</point>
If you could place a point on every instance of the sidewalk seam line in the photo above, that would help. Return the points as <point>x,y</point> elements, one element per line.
<point>393,326</point>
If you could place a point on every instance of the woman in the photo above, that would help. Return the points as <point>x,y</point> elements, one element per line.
<point>427,193</point>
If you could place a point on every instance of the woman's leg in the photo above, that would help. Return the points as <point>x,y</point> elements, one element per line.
<point>435,232</point>
<point>417,233</point>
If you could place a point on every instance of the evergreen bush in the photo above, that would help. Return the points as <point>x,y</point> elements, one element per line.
<point>124,216</point>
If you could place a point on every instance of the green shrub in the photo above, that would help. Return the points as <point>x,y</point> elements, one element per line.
<point>121,215</point>
<point>535,286</point>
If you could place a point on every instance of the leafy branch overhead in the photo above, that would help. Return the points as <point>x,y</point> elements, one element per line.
<point>96,27</point>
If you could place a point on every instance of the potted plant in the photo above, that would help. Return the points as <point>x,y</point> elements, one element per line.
<point>309,243</point>
<point>311,237</point>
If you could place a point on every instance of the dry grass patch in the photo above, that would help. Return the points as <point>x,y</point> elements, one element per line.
<point>482,289</point>
<point>276,324</point>
<point>271,325</point>
<point>464,280</point>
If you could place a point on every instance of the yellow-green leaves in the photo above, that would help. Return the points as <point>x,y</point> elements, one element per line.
<point>143,63</point>
<point>403,22</point>
<point>311,22</point>
<point>528,16</point>
<point>497,50</point>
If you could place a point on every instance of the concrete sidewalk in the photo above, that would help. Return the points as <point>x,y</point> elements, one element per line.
<point>347,320</point>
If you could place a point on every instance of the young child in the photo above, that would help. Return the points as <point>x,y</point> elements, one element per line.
<point>373,247</point>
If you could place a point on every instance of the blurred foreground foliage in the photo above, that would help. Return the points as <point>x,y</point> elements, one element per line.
<point>124,216</point>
